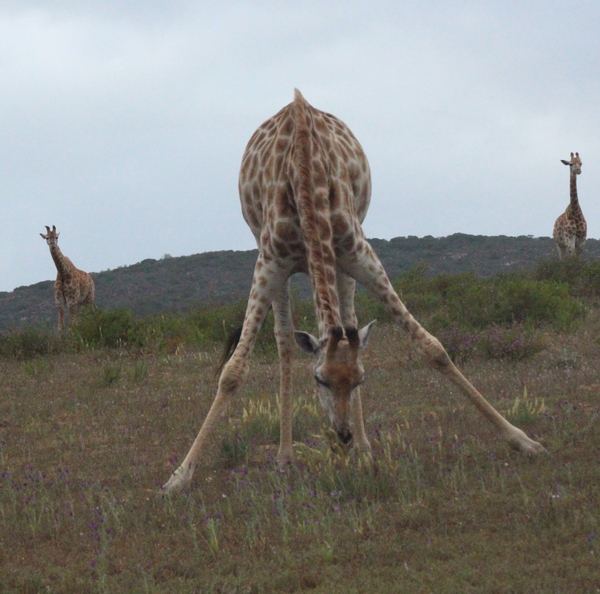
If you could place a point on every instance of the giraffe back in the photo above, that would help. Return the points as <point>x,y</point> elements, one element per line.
<point>303,148</point>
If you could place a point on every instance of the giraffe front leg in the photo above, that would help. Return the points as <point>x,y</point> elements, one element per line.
<point>435,354</point>
<point>59,301</point>
<point>372,275</point>
<point>284,335</point>
<point>265,283</point>
<point>515,437</point>
<point>61,317</point>
<point>232,376</point>
<point>73,311</point>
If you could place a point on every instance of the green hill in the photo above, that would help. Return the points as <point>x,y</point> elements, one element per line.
<point>179,284</point>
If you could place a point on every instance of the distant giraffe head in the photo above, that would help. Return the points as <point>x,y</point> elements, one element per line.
<point>51,237</point>
<point>575,163</point>
<point>338,372</point>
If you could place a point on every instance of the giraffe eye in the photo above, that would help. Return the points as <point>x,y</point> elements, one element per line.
<point>360,381</point>
<point>321,381</point>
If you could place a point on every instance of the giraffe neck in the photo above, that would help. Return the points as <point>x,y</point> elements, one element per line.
<point>573,185</point>
<point>574,207</point>
<point>63,265</point>
<point>313,211</point>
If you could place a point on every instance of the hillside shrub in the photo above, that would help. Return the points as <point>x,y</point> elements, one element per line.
<point>369,309</point>
<point>116,328</point>
<point>513,344</point>
<point>213,324</point>
<point>423,294</point>
<point>459,344</point>
<point>581,276</point>
<point>565,271</point>
<point>516,299</point>
<point>457,308</point>
<point>471,303</point>
<point>31,342</point>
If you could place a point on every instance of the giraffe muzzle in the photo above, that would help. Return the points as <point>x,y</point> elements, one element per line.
<point>345,439</point>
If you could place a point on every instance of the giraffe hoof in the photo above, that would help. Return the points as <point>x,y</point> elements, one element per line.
<point>284,459</point>
<point>520,442</point>
<point>363,450</point>
<point>179,480</point>
<point>535,449</point>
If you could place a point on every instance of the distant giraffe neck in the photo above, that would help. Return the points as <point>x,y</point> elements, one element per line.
<point>313,210</point>
<point>574,207</point>
<point>63,265</point>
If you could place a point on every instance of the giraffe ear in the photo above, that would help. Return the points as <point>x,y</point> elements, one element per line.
<point>564,162</point>
<point>364,334</point>
<point>42,236</point>
<point>307,342</point>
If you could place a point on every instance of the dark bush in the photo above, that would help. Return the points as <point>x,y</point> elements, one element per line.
<point>468,302</point>
<point>514,344</point>
<point>116,328</point>
<point>459,344</point>
<point>581,276</point>
<point>31,342</point>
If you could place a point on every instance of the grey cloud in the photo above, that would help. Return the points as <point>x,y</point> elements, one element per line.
<point>123,123</point>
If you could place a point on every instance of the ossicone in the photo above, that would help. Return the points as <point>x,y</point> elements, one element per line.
<point>336,333</point>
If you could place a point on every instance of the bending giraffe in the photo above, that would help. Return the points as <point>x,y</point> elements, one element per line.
<point>73,287</point>
<point>570,229</point>
<point>305,187</point>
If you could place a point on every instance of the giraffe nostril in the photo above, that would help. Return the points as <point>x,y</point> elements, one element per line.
<point>345,436</point>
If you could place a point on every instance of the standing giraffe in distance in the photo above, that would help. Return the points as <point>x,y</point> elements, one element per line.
<point>305,187</point>
<point>570,229</point>
<point>73,287</point>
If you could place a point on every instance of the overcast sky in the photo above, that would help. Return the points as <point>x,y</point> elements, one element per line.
<point>123,122</point>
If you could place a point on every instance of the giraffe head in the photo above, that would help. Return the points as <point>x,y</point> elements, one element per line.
<point>338,372</point>
<point>51,237</point>
<point>575,163</point>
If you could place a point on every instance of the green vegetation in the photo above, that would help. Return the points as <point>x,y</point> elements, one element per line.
<point>497,316</point>
<point>473,303</point>
<point>94,421</point>
<point>31,342</point>
<point>185,283</point>
<point>582,277</point>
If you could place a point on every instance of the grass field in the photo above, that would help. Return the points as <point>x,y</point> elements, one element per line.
<point>88,438</point>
